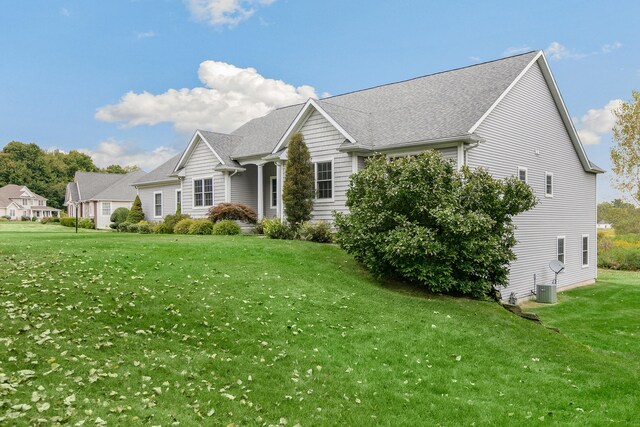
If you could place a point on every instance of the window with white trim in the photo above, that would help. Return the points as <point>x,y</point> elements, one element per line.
<point>106,208</point>
<point>203,192</point>
<point>560,249</point>
<point>12,213</point>
<point>585,250</point>
<point>273,192</point>
<point>548,184</point>
<point>157,205</point>
<point>179,201</point>
<point>324,180</point>
<point>522,174</point>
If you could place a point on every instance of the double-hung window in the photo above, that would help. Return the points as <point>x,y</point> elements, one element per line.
<point>106,208</point>
<point>203,192</point>
<point>548,184</point>
<point>273,192</point>
<point>522,174</point>
<point>157,205</point>
<point>179,201</point>
<point>560,249</point>
<point>324,180</point>
<point>585,250</point>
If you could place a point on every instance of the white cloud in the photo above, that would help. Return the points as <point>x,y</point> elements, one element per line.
<point>145,35</point>
<point>556,51</point>
<point>113,152</point>
<point>608,48</point>
<point>597,122</point>
<point>220,13</point>
<point>516,50</point>
<point>232,96</point>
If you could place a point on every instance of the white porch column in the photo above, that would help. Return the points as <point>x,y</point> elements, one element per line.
<point>279,192</point>
<point>260,193</point>
<point>227,187</point>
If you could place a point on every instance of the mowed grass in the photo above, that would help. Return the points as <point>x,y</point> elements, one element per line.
<point>128,329</point>
<point>605,316</point>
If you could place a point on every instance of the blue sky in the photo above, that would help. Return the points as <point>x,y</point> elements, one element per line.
<point>127,81</point>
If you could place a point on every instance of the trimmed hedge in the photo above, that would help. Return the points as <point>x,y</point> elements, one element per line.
<point>201,227</point>
<point>226,227</point>
<point>319,232</point>
<point>182,227</point>
<point>276,229</point>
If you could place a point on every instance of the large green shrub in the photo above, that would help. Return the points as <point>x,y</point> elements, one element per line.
<point>136,214</point>
<point>119,215</point>
<point>201,227</point>
<point>182,227</point>
<point>226,227</point>
<point>422,220</point>
<point>275,229</point>
<point>298,192</point>
<point>233,211</point>
<point>316,232</point>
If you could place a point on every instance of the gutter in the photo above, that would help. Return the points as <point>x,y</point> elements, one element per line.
<point>467,138</point>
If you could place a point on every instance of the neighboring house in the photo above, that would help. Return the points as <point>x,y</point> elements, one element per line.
<point>506,115</point>
<point>96,195</point>
<point>17,201</point>
<point>602,225</point>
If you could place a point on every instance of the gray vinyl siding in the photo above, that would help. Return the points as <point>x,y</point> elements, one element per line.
<point>244,186</point>
<point>268,171</point>
<point>526,130</point>
<point>323,139</point>
<point>450,153</point>
<point>201,164</point>
<point>168,200</point>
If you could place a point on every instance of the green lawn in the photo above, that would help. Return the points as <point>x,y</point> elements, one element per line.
<point>605,317</point>
<point>206,330</point>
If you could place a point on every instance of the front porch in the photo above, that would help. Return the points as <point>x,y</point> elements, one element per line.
<point>258,186</point>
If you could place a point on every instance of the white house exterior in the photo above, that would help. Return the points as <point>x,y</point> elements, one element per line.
<point>603,225</point>
<point>17,201</point>
<point>96,195</point>
<point>505,115</point>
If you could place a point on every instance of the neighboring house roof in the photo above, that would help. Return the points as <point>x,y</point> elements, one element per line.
<point>121,189</point>
<point>13,191</point>
<point>161,173</point>
<point>444,106</point>
<point>102,186</point>
<point>71,195</point>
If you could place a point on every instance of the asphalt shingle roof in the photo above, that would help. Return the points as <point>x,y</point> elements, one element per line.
<point>13,191</point>
<point>105,186</point>
<point>161,173</point>
<point>122,189</point>
<point>431,107</point>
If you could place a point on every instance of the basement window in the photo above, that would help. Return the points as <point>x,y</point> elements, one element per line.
<point>560,249</point>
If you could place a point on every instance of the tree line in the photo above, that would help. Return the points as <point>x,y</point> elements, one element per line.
<point>46,172</point>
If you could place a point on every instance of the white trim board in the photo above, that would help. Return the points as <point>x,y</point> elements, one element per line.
<point>300,119</point>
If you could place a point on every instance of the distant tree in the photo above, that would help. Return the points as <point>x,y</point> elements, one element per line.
<point>136,214</point>
<point>120,169</point>
<point>298,192</point>
<point>77,161</point>
<point>44,172</point>
<point>625,154</point>
<point>624,217</point>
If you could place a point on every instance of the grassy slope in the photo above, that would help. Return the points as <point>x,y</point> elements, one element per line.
<point>606,316</point>
<point>145,329</point>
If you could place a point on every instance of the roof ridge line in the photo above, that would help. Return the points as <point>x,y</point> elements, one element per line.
<point>428,75</point>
